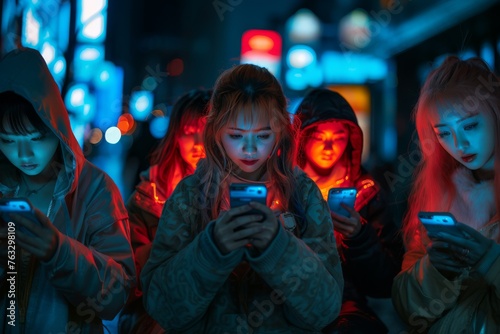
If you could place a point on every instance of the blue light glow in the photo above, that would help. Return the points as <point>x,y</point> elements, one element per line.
<point>109,96</point>
<point>94,30</point>
<point>303,27</point>
<point>81,102</point>
<point>105,74</point>
<point>488,54</point>
<point>86,61</point>
<point>349,67</point>
<point>295,79</point>
<point>467,53</point>
<point>31,29</point>
<point>78,128</point>
<point>89,108</point>
<point>48,52</point>
<point>58,70</point>
<point>141,104</point>
<point>92,20</point>
<point>390,139</point>
<point>75,98</point>
<point>314,76</point>
<point>300,56</point>
<point>158,126</point>
<point>64,27</point>
<point>59,67</point>
<point>90,53</point>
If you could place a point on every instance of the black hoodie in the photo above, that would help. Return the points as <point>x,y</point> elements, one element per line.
<point>323,105</point>
<point>372,258</point>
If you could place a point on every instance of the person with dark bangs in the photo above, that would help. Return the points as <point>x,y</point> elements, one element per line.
<point>74,264</point>
<point>175,157</point>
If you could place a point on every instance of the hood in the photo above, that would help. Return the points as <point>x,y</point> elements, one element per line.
<point>322,105</point>
<point>25,72</point>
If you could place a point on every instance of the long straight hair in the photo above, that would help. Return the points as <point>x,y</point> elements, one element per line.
<point>469,87</point>
<point>190,109</point>
<point>254,91</point>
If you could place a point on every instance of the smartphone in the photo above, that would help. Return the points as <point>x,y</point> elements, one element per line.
<point>243,193</point>
<point>341,195</point>
<point>435,222</point>
<point>21,206</point>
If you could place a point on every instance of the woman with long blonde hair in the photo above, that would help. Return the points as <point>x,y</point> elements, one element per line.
<point>214,268</point>
<point>450,283</point>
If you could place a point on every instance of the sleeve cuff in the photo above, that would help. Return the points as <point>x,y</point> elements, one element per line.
<point>487,263</point>
<point>436,284</point>
<point>357,242</point>
<point>211,254</point>
<point>267,260</point>
<point>60,255</point>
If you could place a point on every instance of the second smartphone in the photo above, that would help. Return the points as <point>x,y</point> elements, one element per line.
<point>341,195</point>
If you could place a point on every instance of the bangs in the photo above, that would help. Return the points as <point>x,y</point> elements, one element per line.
<point>434,104</point>
<point>261,110</point>
<point>18,116</point>
<point>192,119</point>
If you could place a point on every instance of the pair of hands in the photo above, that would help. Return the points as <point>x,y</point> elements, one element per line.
<point>451,254</point>
<point>349,227</point>
<point>236,228</point>
<point>39,239</point>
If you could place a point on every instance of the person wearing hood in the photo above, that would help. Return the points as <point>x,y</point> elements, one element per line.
<point>368,241</point>
<point>74,266</point>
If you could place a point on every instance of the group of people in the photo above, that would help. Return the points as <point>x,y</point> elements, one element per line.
<point>177,258</point>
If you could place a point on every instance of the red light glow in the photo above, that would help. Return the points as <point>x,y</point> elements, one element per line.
<point>264,41</point>
<point>125,123</point>
<point>175,67</point>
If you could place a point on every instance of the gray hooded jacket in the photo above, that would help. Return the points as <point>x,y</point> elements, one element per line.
<point>92,270</point>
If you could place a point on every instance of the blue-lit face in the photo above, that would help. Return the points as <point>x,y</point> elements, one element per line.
<point>469,139</point>
<point>30,153</point>
<point>248,145</point>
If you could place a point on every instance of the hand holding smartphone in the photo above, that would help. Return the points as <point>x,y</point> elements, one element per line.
<point>436,222</point>
<point>244,193</point>
<point>336,196</point>
<point>20,206</point>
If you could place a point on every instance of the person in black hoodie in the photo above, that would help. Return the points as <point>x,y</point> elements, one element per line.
<point>368,241</point>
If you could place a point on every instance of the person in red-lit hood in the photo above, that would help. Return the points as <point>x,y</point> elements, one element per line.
<point>74,263</point>
<point>368,241</point>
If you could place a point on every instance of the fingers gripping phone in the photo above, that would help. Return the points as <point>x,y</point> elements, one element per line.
<point>244,193</point>
<point>341,195</point>
<point>21,206</point>
<point>435,222</point>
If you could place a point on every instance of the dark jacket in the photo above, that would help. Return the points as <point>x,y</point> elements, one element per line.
<point>372,258</point>
<point>190,287</point>
<point>90,275</point>
<point>144,207</point>
<point>470,303</point>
